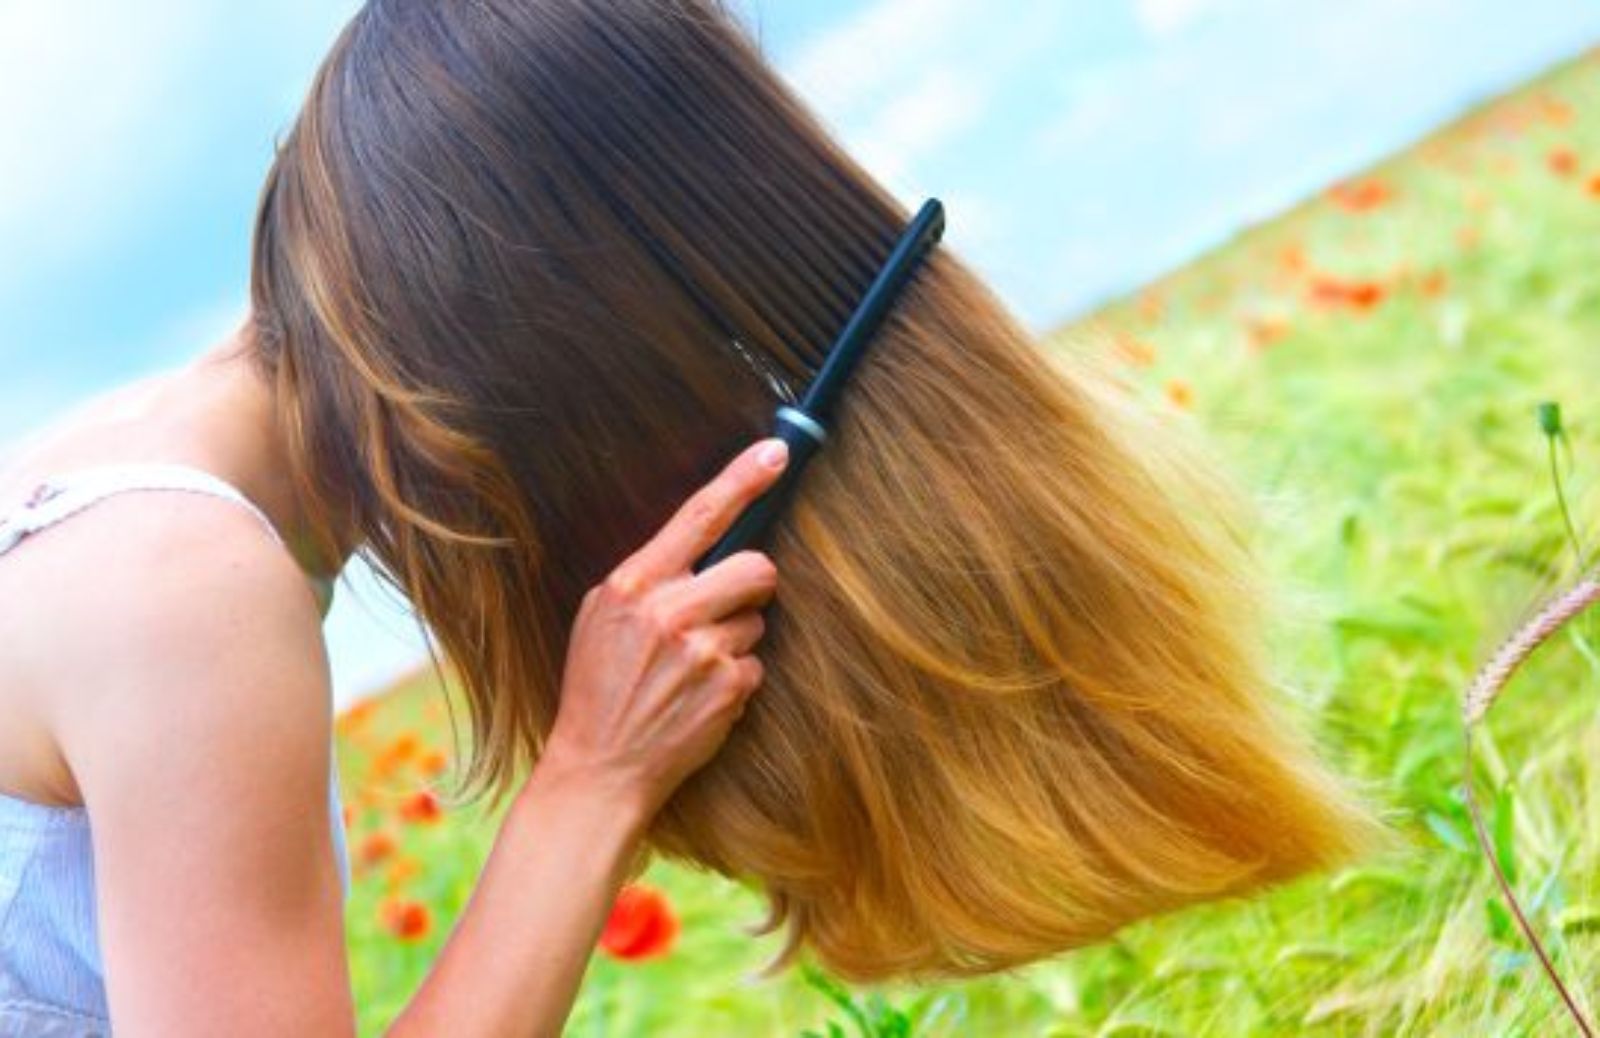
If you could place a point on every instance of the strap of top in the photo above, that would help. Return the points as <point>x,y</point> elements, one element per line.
<point>67,493</point>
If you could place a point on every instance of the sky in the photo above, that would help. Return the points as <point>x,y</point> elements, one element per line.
<point>1082,148</point>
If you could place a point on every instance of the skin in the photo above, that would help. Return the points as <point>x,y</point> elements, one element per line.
<point>169,672</point>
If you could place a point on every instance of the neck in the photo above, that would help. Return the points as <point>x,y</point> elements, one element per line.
<point>218,404</point>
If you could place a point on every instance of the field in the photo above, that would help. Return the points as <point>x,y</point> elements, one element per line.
<point>1371,366</point>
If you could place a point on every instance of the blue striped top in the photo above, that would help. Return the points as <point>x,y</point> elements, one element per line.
<point>52,982</point>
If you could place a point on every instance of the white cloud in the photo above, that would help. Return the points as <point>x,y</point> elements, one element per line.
<point>1092,102</point>
<point>99,106</point>
<point>910,126</point>
<point>903,81</point>
<point>854,63</point>
<point>1169,17</point>
<point>82,90</point>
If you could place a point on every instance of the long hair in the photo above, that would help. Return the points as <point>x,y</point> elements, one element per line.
<point>528,272</point>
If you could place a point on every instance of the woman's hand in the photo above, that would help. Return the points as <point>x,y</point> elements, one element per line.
<point>659,664</point>
<point>658,668</point>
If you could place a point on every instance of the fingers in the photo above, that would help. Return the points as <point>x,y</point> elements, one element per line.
<point>743,580</point>
<point>717,670</point>
<point>732,684</point>
<point>706,516</point>
<point>739,634</point>
<point>747,676</point>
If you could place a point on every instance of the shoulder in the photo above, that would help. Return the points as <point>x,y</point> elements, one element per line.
<point>172,610</point>
<point>197,723</point>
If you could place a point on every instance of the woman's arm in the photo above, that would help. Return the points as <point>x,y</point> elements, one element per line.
<point>193,710</point>
<point>200,742</point>
<point>513,964</point>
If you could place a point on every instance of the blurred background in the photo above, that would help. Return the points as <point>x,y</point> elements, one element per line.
<point>1354,245</point>
<point>1083,148</point>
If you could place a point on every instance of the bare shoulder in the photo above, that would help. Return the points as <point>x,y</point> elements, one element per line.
<point>167,609</point>
<point>195,716</point>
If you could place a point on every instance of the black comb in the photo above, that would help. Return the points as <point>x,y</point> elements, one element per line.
<point>805,427</point>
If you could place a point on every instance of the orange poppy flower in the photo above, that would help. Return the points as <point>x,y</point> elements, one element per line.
<point>375,847</point>
<point>401,748</point>
<point>1555,111</point>
<point>1364,295</point>
<point>641,925</point>
<point>433,763</point>
<point>357,714</point>
<point>1594,185</point>
<point>1134,351</point>
<point>421,806</point>
<point>1180,393</point>
<point>401,869</point>
<point>406,918</point>
<point>1563,162</point>
<point>1359,295</point>
<point>1265,331</point>
<point>405,746</point>
<point>1361,196</point>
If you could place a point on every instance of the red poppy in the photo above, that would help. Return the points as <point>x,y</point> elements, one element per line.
<point>421,806</point>
<point>405,918</point>
<point>641,925</point>
<point>1364,295</point>
<point>1359,295</point>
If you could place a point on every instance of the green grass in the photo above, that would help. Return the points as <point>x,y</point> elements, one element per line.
<point>1370,365</point>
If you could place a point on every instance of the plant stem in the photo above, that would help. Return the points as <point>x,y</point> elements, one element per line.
<point>1566,512</point>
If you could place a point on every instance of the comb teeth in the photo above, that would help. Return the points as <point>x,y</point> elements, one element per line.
<point>804,427</point>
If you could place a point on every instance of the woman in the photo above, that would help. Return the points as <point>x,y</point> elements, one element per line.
<point>525,273</point>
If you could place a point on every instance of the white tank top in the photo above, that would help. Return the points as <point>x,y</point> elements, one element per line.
<point>52,982</point>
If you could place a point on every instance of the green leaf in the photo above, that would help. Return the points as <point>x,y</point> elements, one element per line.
<point>1580,919</point>
<point>1501,928</point>
<point>1504,832</point>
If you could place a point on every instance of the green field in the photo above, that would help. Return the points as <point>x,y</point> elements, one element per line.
<point>1370,366</point>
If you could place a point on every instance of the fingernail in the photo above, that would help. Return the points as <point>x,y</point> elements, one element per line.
<point>773,454</point>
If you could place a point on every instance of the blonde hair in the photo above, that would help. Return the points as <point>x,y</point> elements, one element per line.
<point>526,274</point>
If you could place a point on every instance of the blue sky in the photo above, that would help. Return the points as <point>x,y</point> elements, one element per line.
<point>1081,146</point>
